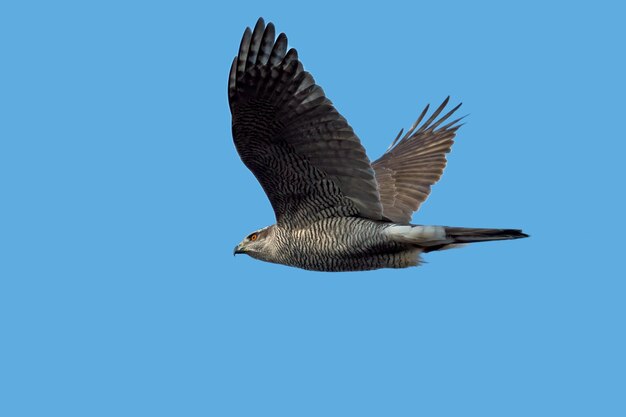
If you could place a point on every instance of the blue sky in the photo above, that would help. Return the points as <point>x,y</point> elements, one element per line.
<point>123,197</point>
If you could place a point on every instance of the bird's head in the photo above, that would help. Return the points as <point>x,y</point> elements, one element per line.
<point>256,244</point>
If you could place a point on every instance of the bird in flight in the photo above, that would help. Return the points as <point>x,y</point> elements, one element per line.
<point>335,210</point>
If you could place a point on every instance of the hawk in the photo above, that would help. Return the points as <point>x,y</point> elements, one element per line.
<point>335,210</point>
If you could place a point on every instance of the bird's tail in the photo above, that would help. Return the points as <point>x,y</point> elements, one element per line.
<point>433,238</point>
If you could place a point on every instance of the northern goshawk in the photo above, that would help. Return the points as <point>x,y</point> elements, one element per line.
<point>335,211</point>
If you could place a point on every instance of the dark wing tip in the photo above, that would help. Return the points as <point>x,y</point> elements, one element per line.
<point>431,124</point>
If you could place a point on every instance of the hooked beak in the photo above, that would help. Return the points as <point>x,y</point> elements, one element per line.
<point>237,250</point>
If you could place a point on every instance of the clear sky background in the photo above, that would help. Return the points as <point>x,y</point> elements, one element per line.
<point>122,198</point>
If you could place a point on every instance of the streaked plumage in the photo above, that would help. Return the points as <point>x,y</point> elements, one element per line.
<point>335,211</point>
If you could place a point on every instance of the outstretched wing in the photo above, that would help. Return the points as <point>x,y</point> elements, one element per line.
<point>303,152</point>
<point>413,164</point>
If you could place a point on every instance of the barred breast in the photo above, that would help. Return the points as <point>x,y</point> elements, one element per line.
<point>342,244</point>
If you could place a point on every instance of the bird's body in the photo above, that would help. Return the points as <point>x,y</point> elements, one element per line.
<point>337,244</point>
<point>358,244</point>
<point>335,210</point>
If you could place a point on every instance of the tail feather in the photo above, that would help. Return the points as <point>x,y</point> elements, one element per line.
<point>469,235</point>
<point>432,238</point>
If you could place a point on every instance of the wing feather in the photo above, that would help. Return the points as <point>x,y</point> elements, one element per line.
<point>414,162</point>
<point>303,152</point>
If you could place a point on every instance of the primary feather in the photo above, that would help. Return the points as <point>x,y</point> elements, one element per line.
<point>406,172</point>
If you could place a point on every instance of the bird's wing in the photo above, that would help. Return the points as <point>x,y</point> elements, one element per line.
<point>411,165</point>
<point>303,152</point>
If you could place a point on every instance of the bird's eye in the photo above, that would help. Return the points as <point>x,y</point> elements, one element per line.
<point>253,237</point>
